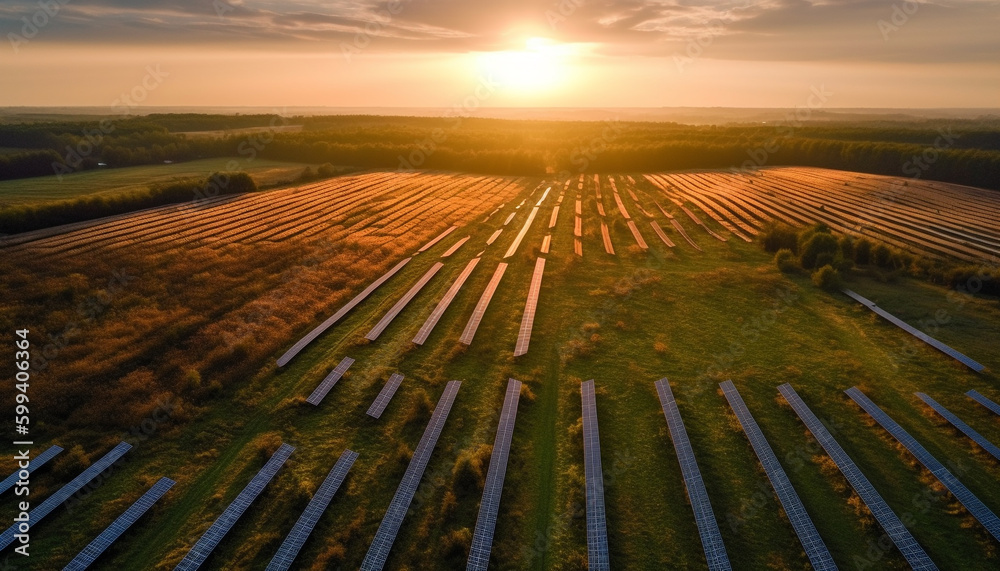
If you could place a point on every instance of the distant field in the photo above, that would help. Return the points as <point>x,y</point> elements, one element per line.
<point>115,181</point>
<point>219,133</point>
<point>213,293</point>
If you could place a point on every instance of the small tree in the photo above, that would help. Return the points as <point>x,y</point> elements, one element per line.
<point>820,247</point>
<point>827,278</point>
<point>786,261</point>
<point>863,252</point>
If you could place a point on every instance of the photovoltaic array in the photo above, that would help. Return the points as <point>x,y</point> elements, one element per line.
<point>33,464</point>
<point>484,302</point>
<point>64,493</point>
<point>976,507</point>
<point>378,552</point>
<point>312,335</point>
<point>320,392</point>
<point>916,332</point>
<point>385,395</point>
<point>296,538</point>
<point>96,547</point>
<point>817,552</point>
<point>482,539</point>
<point>958,423</point>
<point>399,305</point>
<point>213,536</point>
<point>704,517</point>
<point>449,296</point>
<point>894,528</point>
<point>439,237</point>
<point>597,527</point>
<point>530,305</point>
<point>976,396</point>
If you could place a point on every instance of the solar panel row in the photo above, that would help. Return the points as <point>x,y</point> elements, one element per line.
<point>482,304</point>
<point>894,528</point>
<point>554,217</point>
<point>967,430</point>
<point>663,236</point>
<point>378,552</point>
<point>454,247</point>
<point>64,493</point>
<point>482,539</point>
<point>301,344</point>
<point>544,196</point>
<point>677,226</point>
<point>638,237</point>
<point>296,538</point>
<point>385,395</point>
<point>319,393</point>
<point>976,507</point>
<point>546,244</point>
<point>977,367</point>
<point>621,206</point>
<point>213,536</point>
<point>402,302</point>
<point>598,556</point>
<point>976,396</point>
<point>578,247</point>
<point>449,296</point>
<point>494,237</point>
<point>520,235</point>
<point>817,552</point>
<point>440,237</point>
<point>578,227</point>
<point>704,517</point>
<point>33,464</point>
<point>606,236</point>
<point>530,305</point>
<point>118,527</point>
<point>511,216</point>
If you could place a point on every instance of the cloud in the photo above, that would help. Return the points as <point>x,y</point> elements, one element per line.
<point>764,30</point>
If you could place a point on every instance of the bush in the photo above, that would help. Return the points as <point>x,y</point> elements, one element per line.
<point>827,278</point>
<point>807,233</point>
<point>778,236</point>
<point>819,247</point>
<point>786,260</point>
<point>882,256</point>
<point>847,247</point>
<point>863,252</point>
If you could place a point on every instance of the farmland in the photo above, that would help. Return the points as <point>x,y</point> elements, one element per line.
<point>166,327</point>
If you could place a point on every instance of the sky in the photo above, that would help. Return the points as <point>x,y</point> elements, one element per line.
<point>126,54</point>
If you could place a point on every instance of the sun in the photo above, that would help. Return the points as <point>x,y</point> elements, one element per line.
<point>538,67</point>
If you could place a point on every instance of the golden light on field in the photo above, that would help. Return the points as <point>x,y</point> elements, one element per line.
<point>539,66</point>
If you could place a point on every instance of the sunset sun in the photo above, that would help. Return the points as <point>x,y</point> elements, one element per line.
<point>539,66</point>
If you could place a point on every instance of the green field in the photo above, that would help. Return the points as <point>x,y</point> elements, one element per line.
<point>40,190</point>
<point>697,318</point>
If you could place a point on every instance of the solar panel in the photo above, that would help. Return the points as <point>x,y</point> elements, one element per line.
<point>378,552</point>
<point>704,517</point>
<point>554,217</point>
<point>976,507</point>
<point>482,539</point>
<point>118,527</point>
<point>213,536</point>
<point>897,532</point>
<point>638,237</point>
<point>494,237</point>
<point>520,235</point>
<point>319,393</point>
<point>577,246</point>
<point>544,196</point>
<point>579,207</point>
<point>974,395</point>
<point>296,538</point>
<point>64,493</point>
<point>677,226</point>
<point>600,209</point>
<point>546,243</point>
<point>399,305</point>
<point>621,206</point>
<point>659,232</point>
<point>435,316</point>
<point>440,237</point>
<point>385,395</point>
<point>817,552</point>
<point>606,236</point>
<point>33,464</point>
<point>454,247</point>
<point>530,305</point>
<point>916,332</point>
<point>578,227</point>
<point>511,217</point>
<point>301,344</point>
<point>967,430</point>
<point>598,557</point>
<point>484,302</point>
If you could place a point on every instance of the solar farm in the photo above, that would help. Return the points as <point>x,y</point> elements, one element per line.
<point>443,371</point>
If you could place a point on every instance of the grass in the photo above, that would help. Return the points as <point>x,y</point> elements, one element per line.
<point>695,317</point>
<point>122,180</point>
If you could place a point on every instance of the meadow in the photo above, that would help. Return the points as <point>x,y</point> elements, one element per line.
<point>185,308</point>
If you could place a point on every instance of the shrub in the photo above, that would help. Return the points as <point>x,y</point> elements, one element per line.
<point>777,236</point>
<point>786,260</point>
<point>807,233</point>
<point>882,256</point>
<point>814,248</point>
<point>847,247</point>
<point>827,278</point>
<point>863,251</point>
